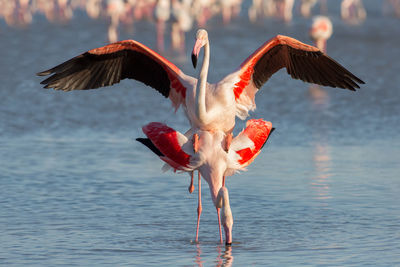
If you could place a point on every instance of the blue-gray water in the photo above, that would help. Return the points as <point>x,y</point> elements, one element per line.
<point>76,189</point>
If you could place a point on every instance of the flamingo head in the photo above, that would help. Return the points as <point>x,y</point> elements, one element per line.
<point>222,202</point>
<point>201,40</point>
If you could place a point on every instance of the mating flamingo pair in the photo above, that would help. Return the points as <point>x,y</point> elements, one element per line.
<point>208,146</point>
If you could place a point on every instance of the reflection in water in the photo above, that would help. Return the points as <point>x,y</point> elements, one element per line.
<point>321,156</point>
<point>319,96</point>
<point>224,257</point>
<point>322,165</point>
<point>198,256</point>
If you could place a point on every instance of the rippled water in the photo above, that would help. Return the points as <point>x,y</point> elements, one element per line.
<point>76,189</point>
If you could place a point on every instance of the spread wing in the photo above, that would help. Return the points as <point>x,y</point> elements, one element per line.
<point>300,60</point>
<point>112,63</point>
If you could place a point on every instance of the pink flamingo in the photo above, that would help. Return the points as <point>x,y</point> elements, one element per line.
<point>321,30</point>
<point>162,13</point>
<point>210,158</point>
<point>353,11</point>
<point>182,22</point>
<point>93,8</point>
<point>306,6</point>
<point>115,9</point>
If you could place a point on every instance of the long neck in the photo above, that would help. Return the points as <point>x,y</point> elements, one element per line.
<point>321,44</point>
<point>201,110</point>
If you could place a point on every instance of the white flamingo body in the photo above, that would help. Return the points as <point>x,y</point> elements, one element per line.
<point>321,30</point>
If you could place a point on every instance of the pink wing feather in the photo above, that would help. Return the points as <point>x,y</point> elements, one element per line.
<point>247,145</point>
<point>302,61</point>
<point>169,142</point>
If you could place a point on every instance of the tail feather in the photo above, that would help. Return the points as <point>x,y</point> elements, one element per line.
<point>167,144</point>
<point>248,144</point>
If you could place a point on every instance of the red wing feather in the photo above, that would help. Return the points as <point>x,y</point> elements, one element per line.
<point>169,142</point>
<point>301,61</point>
<point>258,132</point>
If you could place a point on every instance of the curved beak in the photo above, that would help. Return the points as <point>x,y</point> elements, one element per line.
<point>194,60</point>
<point>196,50</point>
<point>228,234</point>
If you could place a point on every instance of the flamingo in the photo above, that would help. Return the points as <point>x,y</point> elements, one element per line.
<point>162,13</point>
<point>306,6</point>
<point>115,9</point>
<point>229,8</point>
<point>182,23</point>
<point>93,8</point>
<point>210,158</point>
<point>353,11</point>
<point>321,30</point>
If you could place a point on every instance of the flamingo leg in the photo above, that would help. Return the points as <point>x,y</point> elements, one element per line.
<point>219,225</point>
<point>199,209</point>
<point>223,181</point>
<point>191,186</point>
<point>160,35</point>
<point>195,143</point>
<point>195,148</point>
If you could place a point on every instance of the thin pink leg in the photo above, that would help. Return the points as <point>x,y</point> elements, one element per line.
<point>195,148</point>
<point>219,225</point>
<point>199,209</point>
<point>223,181</point>
<point>191,186</point>
<point>160,35</point>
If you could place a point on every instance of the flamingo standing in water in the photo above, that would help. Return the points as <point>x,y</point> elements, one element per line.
<point>115,9</point>
<point>210,158</point>
<point>321,30</point>
<point>209,107</point>
<point>182,23</point>
<point>162,13</point>
<point>353,11</point>
<point>306,6</point>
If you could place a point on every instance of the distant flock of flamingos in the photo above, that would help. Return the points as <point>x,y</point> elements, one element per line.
<point>179,15</point>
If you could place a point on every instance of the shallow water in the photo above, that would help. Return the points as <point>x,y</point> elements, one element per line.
<point>76,189</point>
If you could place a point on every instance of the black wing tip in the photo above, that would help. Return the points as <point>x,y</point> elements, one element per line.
<point>272,130</point>
<point>360,81</point>
<point>44,73</point>
<point>147,142</point>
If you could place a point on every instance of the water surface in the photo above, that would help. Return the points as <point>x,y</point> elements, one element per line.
<point>76,189</point>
